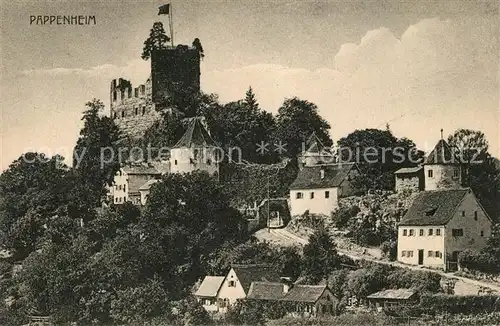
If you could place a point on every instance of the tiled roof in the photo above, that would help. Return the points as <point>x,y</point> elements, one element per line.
<point>251,273</point>
<point>305,293</point>
<point>275,291</point>
<point>442,154</point>
<point>408,170</point>
<point>196,135</point>
<point>434,207</point>
<point>148,184</point>
<point>266,291</point>
<point>398,294</point>
<point>310,176</point>
<point>210,286</point>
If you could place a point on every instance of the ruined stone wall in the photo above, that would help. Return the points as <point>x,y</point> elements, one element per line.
<point>172,70</point>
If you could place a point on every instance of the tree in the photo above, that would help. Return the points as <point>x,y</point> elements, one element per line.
<point>238,127</point>
<point>320,256</point>
<point>32,190</point>
<point>480,172</point>
<point>297,119</point>
<point>96,158</point>
<point>378,154</point>
<point>250,99</point>
<point>469,144</point>
<point>186,219</point>
<point>140,303</point>
<point>157,40</point>
<point>197,45</point>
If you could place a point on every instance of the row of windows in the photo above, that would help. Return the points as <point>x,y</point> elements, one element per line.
<point>434,254</point>
<point>120,199</point>
<point>454,232</point>
<point>430,253</point>
<point>407,253</point>
<point>300,195</point>
<point>123,114</point>
<point>456,173</point>
<point>121,187</point>
<point>421,232</point>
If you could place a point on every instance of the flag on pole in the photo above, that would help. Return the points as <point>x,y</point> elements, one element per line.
<point>164,10</point>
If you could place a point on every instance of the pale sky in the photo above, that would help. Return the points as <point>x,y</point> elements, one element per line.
<point>418,65</point>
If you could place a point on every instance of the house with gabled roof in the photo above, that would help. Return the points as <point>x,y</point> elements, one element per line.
<point>392,298</point>
<point>196,150</point>
<point>129,179</point>
<point>301,300</point>
<point>317,188</point>
<point>439,225</point>
<point>235,285</point>
<point>208,291</point>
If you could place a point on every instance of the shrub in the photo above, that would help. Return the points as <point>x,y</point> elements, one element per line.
<point>478,261</point>
<point>433,304</point>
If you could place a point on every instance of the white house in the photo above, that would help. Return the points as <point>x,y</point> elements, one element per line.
<point>234,286</point>
<point>442,168</point>
<point>129,179</point>
<point>196,150</point>
<point>439,225</point>
<point>317,188</point>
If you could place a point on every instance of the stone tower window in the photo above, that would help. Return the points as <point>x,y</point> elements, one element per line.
<point>114,96</point>
<point>136,111</point>
<point>143,110</point>
<point>430,174</point>
<point>123,114</point>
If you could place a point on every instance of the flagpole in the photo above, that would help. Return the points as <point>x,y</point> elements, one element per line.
<point>171,20</point>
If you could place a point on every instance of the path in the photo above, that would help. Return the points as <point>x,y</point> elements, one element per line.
<point>287,238</point>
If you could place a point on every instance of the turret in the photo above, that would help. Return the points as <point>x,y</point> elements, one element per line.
<point>442,168</point>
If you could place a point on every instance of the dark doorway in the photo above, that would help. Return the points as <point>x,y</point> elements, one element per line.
<point>420,256</point>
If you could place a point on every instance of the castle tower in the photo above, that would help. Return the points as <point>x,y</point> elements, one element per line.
<point>442,168</point>
<point>196,150</point>
<point>175,71</point>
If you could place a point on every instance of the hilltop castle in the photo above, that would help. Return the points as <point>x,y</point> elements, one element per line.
<point>172,69</point>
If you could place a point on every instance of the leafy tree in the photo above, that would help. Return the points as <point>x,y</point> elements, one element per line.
<point>157,40</point>
<point>137,304</point>
<point>238,126</point>
<point>186,219</point>
<point>96,158</point>
<point>32,190</point>
<point>366,281</point>
<point>246,312</point>
<point>288,262</point>
<point>195,314</point>
<point>296,120</point>
<point>164,133</point>
<point>337,281</point>
<point>480,171</point>
<point>379,154</point>
<point>320,256</point>
<point>469,144</point>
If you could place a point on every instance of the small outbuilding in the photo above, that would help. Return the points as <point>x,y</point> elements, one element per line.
<point>410,179</point>
<point>391,298</point>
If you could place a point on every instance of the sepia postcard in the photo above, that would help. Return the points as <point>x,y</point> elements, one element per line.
<point>250,162</point>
